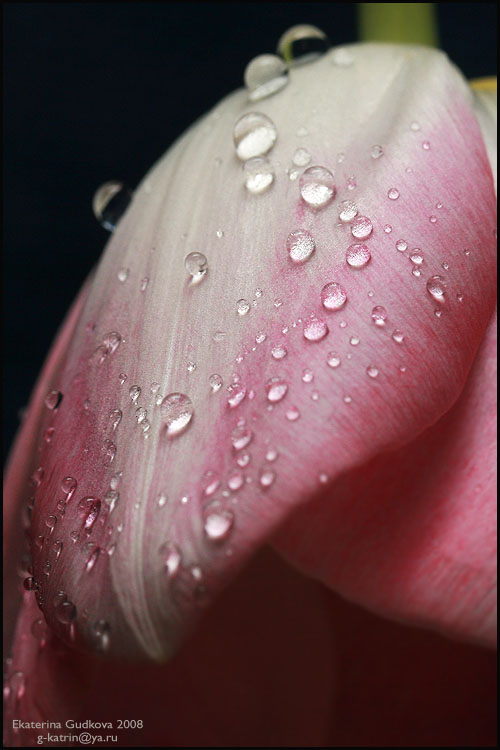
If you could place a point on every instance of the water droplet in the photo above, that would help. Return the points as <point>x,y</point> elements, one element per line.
<point>91,508</point>
<point>387,229</point>
<point>279,352</point>
<point>122,377</point>
<point>354,340</point>
<point>123,274</point>
<point>144,284</point>
<point>115,418</point>
<point>218,336</point>
<point>259,175</point>
<point>17,684</point>
<point>191,366</point>
<point>436,286</point>
<point>254,134</point>
<point>438,312</point>
<point>110,202</point>
<point>445,265</point>
<point>307,376</point>
<point>215,382</point>
<point>66,612</point>
<point>211,482</point>
<point>432,219</point>
<point>177,411</point>
<point>401,245</point>
<point>333,360</point>
<point>111,498</point>
<point>264,76</point>
<point>267,477</point>
<point>30,584</point>
<point>333,296</point>
<point>109,450</point>
<point>301,157</point>
<point>292,414</point>
<point>460,297</point>
<point>276,389</point>
<point>243,460</point>
<point>379,315</point>
<point>68,486</point>
<point>393,194</point>
<point>416,271</point>
<point>372,371</point>
<point>398,336</point>
<point>342,57</point>
<point>172,558</point>
<point>242,307</point>
<point>39,630</point>
<point>302,43</point>
<point>48,435</point>
<point>377,152</point>
<point>426,146</point>
<point>236,394</point>
<point>134,393</point>
<point>317,187</point>
<point>53,399</point>
<point>235,480</point>
<point>467,251</point>
<point>218,525</point>
<point>162,500</point>
<point>361,227</point>
<point>348,211</point>
<point>241,436</point>
<point>347,399</point>
<point>58,548</point>
<point>219,234</point>
<point>358,255</point>
<point>196,265</point>
<point>415,126</point>
<point>101,635</point>
<point>50,523</point>
<point>315,330</point>
<point>300,245</point>
<point>416,257</point>
<point>92,560</point>
<point>260,337</point>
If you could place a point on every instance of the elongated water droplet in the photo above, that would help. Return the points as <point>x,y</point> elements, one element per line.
<point>315,330</point>
<point>115,418</point>
<point>264,76</point>
<point>134,393</point>
<point>333,296</point>
<point>303,43</point>
<point>361,227</point>
<point>111,498</point>
<point>211,482</point>
<point>196,265</point>
<point>259,175</point>
<point>436,287</point>
<point>91,508</point>
<point>235,480</point>
<point>317,186</point>
<point>276,389</point>
<point>53,400</point>
<point>300,245</point>
<point>254,134</point>
<point>110,202</point>
<point>68,486</point>
<point>177,411</point>
<point>358,255</point>
<point>172,559</point>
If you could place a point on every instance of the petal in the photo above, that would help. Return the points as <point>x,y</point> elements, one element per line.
<point>112,568</point>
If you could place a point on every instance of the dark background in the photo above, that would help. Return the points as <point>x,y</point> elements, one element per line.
<point>99,91</point>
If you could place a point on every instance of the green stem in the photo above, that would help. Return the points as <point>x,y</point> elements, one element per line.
<point>410,23</point>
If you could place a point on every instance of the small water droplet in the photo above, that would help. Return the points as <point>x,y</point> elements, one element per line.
<point>267,477</point>
<point>49,434</point>
<point>264,76</point>
<point>460,297</point>
<point>191,366</point>
<point>235,480</point>
<point>348,211</point>
<point>432,219</point>
<point>243,460</point>
<point>393,194</point>
<point>254,134</point>
<point>307,376</point>
<point>303,43</point>
<point>123,274</point>
<point>416,256</point>
<point>242,307</point>
<point>354,340</point>
<point>398,336</point>
<point>92,559</point>
<point>50,523</point>
<point>438,312</point>
<point>177,411</point>
<point>333,296</point>
<point>445,265</point>
<point>347,399</point>
<point>361,227</point>
<point>300,245</point>
<point>196,264</point>
<point>260,337</point>
<point>301,157</point>
<point>259,175</point>
<point>91,508</point>
<point>333,360</point>
<point>467,251</point>
<point>215,382</point>
<point>66,612</point>
<point>377,152</point>
<point>144,284</point>
<point>101,635</point>
<point>17,684</point>
<point>111,498</point>
<point>162,500</point>
<point>279,352</point>
<point>317,186</point>
<point>109,450</point>
<point>39,630</point>
<point>379,315</point>
<point>387,229</point>
<point>415,126</point>
<point>236,393</point>
<point>58,548</point>
<point>218,525</point>
<point>122,377</point>
<point>416,271</point>
<point>219,234</point>
<point>372,371</point>
<point>426,146</point>
<point>30,584</point>
<point>401,245</point>
<point>358,255</point>
<point>211,482</point>
<point>292,414</point>
<point>241,436</point>
<point>276,389</point>
<point>53,400</point>
<point>436,287</point>
<point>110,202</point>
<point>68,486</point>
<point>115,418</point>
<point>134,393</point>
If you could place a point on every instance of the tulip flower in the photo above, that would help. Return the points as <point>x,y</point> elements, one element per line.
<point>256,474</point>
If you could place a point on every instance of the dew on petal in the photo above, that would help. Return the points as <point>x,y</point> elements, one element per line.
<point>300,245</point>
<point>236,393</point>
<point>315,330</point>
<point>241,436</point>
<point>172,559</point>
<point>53,400</point>
<point>398,336</point>
<point>416,257</point>
<point>303,43</point>
<point>264,76</point>
<point>361,227</point>
<point>354,340</point>
<point>177,411</point>
<point>372,371</point>
<point>307,376</point>
<point>66,612</point>
<point>436,287</point>
<point>123,274</point>
<point>254,135</point>
<point>292,414</point>
<point>393,194</point>
<point>267,477</point>
<point>134,393</point>
<point>358,255</point>
<point>218,525</point>
<point>211,482</point>
<point>333,360</point>
<point>68,486</point>
<point>401,245</point>
<point>215,382</point>
<point>347,211</point>
<point>317,186</point>
<point>333,296</point>
<point>377,152</point>
<point>379,315</point>
<point>259,175</point>
<point>301,157</point>
<point>242,307</point>
<point>276,389</point>
<point>235,480</point>
<point>110,202</point>
<point>279,352</point>
<point>196,265</point>
<point>271,454</point>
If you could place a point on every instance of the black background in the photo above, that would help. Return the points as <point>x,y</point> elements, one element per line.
<point>99,91</point>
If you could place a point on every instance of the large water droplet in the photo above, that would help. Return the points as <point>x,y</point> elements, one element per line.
<point>300,245</point>
<point>177,411</point>
<point>259,175</point>
<point>264,75</point>
<point>358,255</point>
<point>196,265</point>
<point>254,134</point>
<point>333,296</point>
<point>276,389</point>
<point>436,287</point>
<point>416,256</point>
<point>315,330</point>
<point>361,227</point>
<point>218,525</point>
<point>302,43</point>
<point>110,202</point>
<point>317,186</point>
